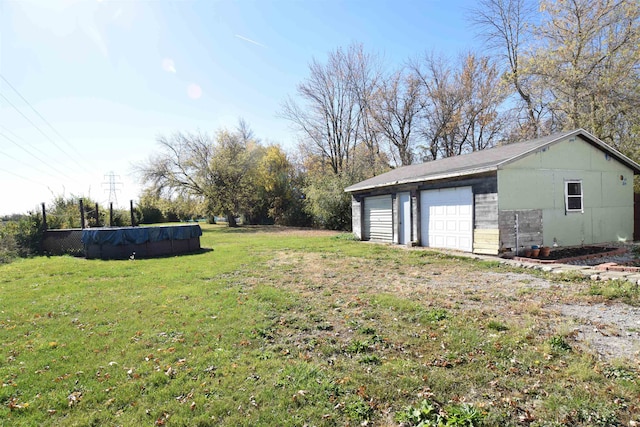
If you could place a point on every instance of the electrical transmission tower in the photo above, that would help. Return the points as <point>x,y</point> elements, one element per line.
<point>113,187</point>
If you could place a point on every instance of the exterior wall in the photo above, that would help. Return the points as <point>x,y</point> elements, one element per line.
<point>485,211</point>
<point>527,233</point>
<point>536,182</point>
<point>356,216</point>
<point>486,235</point>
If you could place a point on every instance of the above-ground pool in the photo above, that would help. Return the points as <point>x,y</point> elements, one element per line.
<point>140,242</point>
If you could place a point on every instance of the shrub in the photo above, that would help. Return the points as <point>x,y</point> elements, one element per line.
<point>8,245</point>
<point>20,238</point>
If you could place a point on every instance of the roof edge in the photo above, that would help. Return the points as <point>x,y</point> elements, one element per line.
<point>424,179</point>
<point>588,138</point>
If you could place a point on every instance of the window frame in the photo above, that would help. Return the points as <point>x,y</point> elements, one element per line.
<point>568,196</point>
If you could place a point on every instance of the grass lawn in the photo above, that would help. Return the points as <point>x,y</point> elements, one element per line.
<point>284,328</point>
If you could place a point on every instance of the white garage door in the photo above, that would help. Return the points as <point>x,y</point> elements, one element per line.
<point>447,218</point>
<point>378,218</point>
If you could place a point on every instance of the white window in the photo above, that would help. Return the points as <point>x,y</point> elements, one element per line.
<point>573,196</point>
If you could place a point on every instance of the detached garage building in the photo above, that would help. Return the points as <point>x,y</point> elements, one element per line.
<point>565,189</point>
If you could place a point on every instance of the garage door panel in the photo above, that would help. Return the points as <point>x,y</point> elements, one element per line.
<point>378,219</point>
<point>447,218</point>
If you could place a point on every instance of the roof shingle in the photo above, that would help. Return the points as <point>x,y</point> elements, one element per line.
<point>479,161</point>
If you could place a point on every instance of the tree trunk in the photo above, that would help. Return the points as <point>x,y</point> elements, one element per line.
<point>231,219</point>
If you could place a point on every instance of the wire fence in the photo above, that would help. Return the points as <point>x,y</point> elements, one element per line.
<point>87,217</point>
<point>63,242</point>
<point>68,240</point>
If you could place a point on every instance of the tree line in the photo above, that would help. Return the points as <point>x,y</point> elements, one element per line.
<point>547,66</point>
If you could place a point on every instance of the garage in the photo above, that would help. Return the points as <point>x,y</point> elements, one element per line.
<point>378,218</point>
<point>447,218</point>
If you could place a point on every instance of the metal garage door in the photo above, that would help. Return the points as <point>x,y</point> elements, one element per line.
<point>447,218</point>
<point>378,218</point>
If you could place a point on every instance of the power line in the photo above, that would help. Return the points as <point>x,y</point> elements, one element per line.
<point>40,130</point>
<point>40,115</point>
<point>35,157</point>
<point>24,177</point>
<point>24,163</point>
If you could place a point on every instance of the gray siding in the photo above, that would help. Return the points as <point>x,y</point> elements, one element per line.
<point>486,211</point>
<point>529,228</point>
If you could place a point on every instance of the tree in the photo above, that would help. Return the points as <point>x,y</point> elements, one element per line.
<point>590,62</point>
<point>582,69</point>
<point>395,109</point>
<point>460,106</point>
<point>279,188</point>
<point>440,104</point>
<point>193,165</point>
<point>506,26</point>
<point>233,169</point>
<point>332,119</point>
<point>365,78</point>
<point>481,123</point>
<point>327,203</point>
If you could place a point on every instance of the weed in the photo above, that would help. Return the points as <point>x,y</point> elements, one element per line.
<point>489,265</point>
<point>349,237</point>
<point>559,344</point>
<point>428,414</point>
<point>463,416</point>
<point>423,415</point>
<point>357,347</point>
<point>620,373</point>
<point>435,315</point>
<point>367,330</point>
<point>370,359</point>
<point>497,326</point>
<point>358,410</point>
<point>572,276</point>
<point>617,290</point>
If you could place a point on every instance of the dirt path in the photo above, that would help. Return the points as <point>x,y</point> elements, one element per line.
<point>610,330</point>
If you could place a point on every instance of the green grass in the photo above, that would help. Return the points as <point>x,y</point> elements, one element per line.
<point>281,330</point>
<point>622,290</point>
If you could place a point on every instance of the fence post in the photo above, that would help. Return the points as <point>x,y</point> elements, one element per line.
<point>133,220</point>
<point>110,214</point>
<point>44,217</point>
<point>81,214</point>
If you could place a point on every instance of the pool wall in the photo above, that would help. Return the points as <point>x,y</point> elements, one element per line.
<point>140,242</point>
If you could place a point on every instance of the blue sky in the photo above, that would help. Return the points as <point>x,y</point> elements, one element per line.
<point>103,78</point>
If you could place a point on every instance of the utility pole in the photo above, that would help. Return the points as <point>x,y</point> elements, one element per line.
<point>113,186</point>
